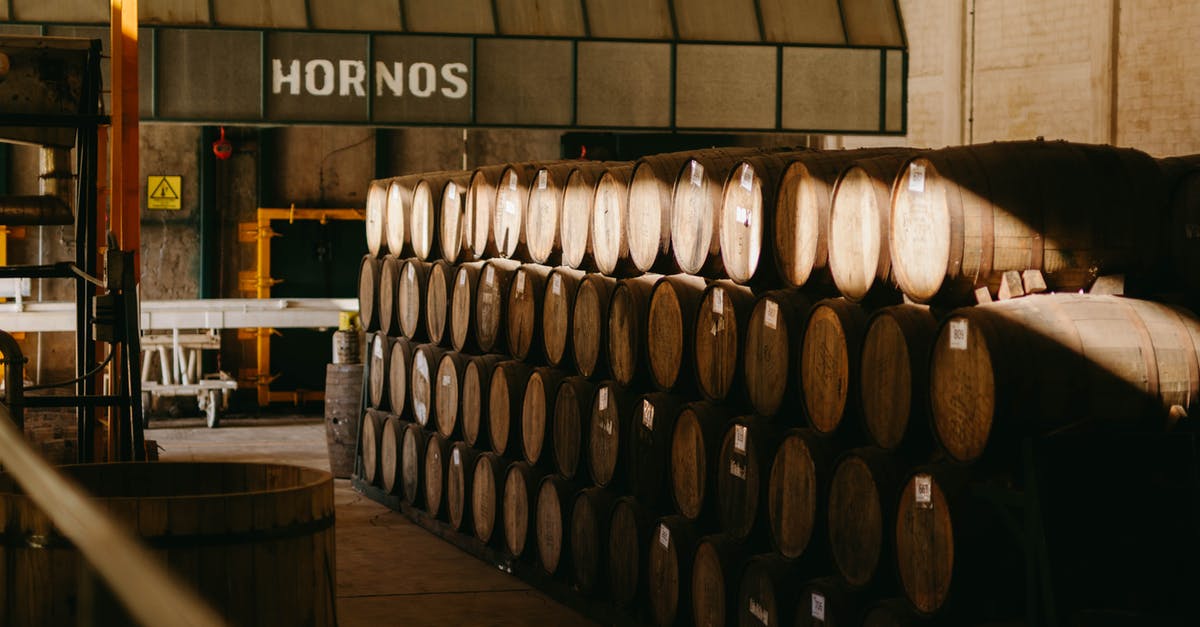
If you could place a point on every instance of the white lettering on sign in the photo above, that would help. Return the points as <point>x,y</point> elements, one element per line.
<point>747,177</point>
<point>541,180</point>
<point>348,77</point>
<point>422,79</point>
<point>759,612</point>
<point>771,315</point>
<point>958,334</point>
<point>697,173</point>
<point>520,284</point>
<point>556,285</point>
<point>916,177</point>
<point>603,401</point>
<point>737,470</point>
<point>818,606</point>
<point>924,491</point>
<point>739,438</point>
<point>647,414</point>
<point>456,457</point>
<point>718,301</point>
<point>319,78</point>
<point>664,536</point>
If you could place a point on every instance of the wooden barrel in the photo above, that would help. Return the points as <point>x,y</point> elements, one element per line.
<point>410,299</point>
<point>389,288</point>
<point>695,448</point>
<point>747,201</point>
<point>628,311</point>
<point>773,340</point>
<point>715,579</point>
<point>628,541</point>
<point>479,209</point>
<point>447,397</point>
<point>376,213</point>
<point>797,491</point>
<point>1184,232</point>
<point>767,596</point>
<point>801,221</point>
<point>487,485</point>
<point>558,307</point>
<point>399,366</point>
<point>372,443</point>
<point>437,459</point>
<point>609,424</point>
<point>590,514</point>
<point>520,488</point>
<point>523,313</point>
<point>555,498</point>
<point>894,612</point>
<point>377,371</point>
<point>368,293</point>
<point>588,324</point>
<point>746,453</point>
<point>650,434</point>
<point>438,293</point>
<point>412,461</point>
<point>572,408</point>
<point>476,395</point>
<point>858,227</point>
<point>543,210</point>
<point>425,217</point>
<point>506,395</point>
<point>395,225</point>
<point>463,312</point>
<point>343,408</point>
<point>696,208</point>
<point>491,301</point>
<point>575,233</point>
<point>452,231</point>
<point>895,378</point>
<point>862,514</point>
<point>537,415</point>
<point>459,479</point>
<point>670,327</point>
<point>829,363</point>
<point>508,219</point>
<point>672,550</point>
<point>426,360</point>
<point>391,455</point>
<point>1043,363</point>
<point>828,602</point>
<point>347,347</point>
<point>610,212</point>
<point>961,216</point>
<point>248,567</point>
<point>721,322</point>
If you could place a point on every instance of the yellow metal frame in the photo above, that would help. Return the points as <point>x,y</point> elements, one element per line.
<point>259,281</point>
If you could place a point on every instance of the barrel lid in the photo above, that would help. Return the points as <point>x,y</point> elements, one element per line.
<point>399,195</point>
<point>886,390</point>
<point>920,229</point>
<point>856,242</point>
<point>741,221</point>
<point>925,543</point>
<point>962,387</point>
<point>800,247</point>
<point>855,521</point>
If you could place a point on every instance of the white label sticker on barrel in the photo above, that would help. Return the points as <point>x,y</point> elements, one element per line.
<point>603,400</point>
<point>412,272</point>
<point>556,285</point>
<point>462,278</point>
<point>718,301</point>
<point>958,334</point>
<point>607,426</point>
<point>445,380</point>
<point>510,208</point>
<point>759,612</point>
<point>737,469</point>
<point>512,181</point>
<point>747,177</point>
<point>647,414</point>
<point>456,457</point>
<point>520,283</point>
<point>916,177</point>
<point>488,274</point>
<point>739,438</point>
<point>664,536</point>
<point>818,606</point>
<point>771,315</point>
<point>697,173</point>
<point>743,216</point>
<point>452,191</point>
<point>541,179</point>
<point>923,491</point>
<point>378,349</point>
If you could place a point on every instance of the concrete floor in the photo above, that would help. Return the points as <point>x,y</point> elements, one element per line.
<point>389,570</point>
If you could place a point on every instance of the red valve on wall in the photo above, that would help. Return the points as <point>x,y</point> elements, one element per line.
<point>223,148</point>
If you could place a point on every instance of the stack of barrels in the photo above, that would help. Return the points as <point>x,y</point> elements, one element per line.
<point>745,386</point>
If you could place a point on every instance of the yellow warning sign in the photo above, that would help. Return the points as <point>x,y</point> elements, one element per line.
<point>163,192</point>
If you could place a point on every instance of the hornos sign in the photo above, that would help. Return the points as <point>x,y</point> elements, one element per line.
<point>348,77</point>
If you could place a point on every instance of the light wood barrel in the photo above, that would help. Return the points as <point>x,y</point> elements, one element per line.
<point>537,415</point>
<point>862,515</point>
<point>377,371</point>
<point>774,335</point>
<point>437,459</point>
<point>895,377</point>
<point>721,323</point>
<point>543,210</point>
<point>438,294</point>
<point>628,543</point>
<point>425,218</point>
<point>395,225</point>
<point>610,212</point>
<point>650,189</point>
<point>478,210</point>
<point>746,452</point>
<point>801,220</point>
<point>487,485</point>
<point>828,602</point>
<point>506,393</point>
<point>372,443</point>
<point>368,293</point>
<point>558,308</point>
<point>748,200</point>
<point>452,227</point>
<point>859,215</point>
<point>609,426</point>
<point>768,591</point>
<point>426,360</point>
<point>650,448</point>
<point>520,490</point>
<point>491,300</point>
<point>391,456</point>
<point>399,368</point>
<point>715,579</point>
<point>463,312</point>
<point>389,288</point>
<point>508,219</point>
<point>696,208</point>
<point>410,299</point>
<point>797,491</point>
<point>1042,363</point>
<point>961,216</point>
<point>572,408</point>
<point>555,498</point>
<point>575,232</point>
<point>672,550</point>
<point>628,312</point>
<point>376,213</point>
<point>671,325</point>
<point>447,394</point>
<point>459,478</point>
<point>695,449</point>
<point>589,539</point>
<point>476,395</point>
<point>588,324</point>
<point>412,459</point>
<point>523,313</point>
<point>829,363</point>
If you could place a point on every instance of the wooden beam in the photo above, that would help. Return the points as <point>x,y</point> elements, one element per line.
<point>126,207</point>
